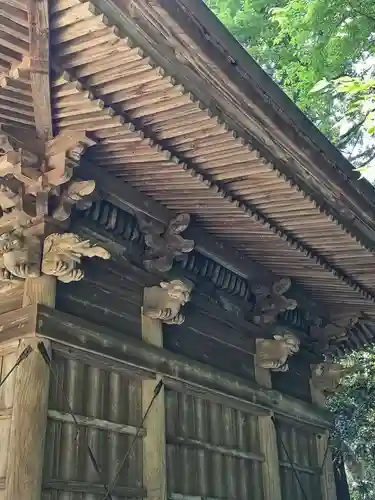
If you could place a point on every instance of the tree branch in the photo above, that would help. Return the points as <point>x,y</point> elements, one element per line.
<point>361,13</point>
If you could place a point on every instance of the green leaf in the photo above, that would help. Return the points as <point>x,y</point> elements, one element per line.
<point>322,84</point>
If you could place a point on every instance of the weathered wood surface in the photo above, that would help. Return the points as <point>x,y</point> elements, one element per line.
<point>326,463</point>
<point>154,443</point>
<point>109,295</point>
<point>211,189</point>
<point>30,404</point>
<point>271,467</point>
<point>255,103</point>
<point>29,420</point>
<point>41,290</point>
<point>17,324</point>
<point>96,423</point>
<point>78,487</point>
<point>92,342</point>
<point>202,345</point>
<point>128,198</point>
<point>38,17</point>
<point>8,357</point>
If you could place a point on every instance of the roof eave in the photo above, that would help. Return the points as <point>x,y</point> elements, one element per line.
<point>225,77</point>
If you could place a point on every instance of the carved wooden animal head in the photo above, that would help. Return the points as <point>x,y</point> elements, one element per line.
<point>9,241</point>
<point>178,290</point>
<point>290,341</point>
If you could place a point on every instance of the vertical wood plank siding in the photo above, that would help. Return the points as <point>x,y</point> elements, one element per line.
<point>300,444</point>
<point>91,392</point>
<point>213,451</point>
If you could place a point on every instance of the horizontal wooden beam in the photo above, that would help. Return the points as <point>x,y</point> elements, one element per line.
<point>96,423</point>
<point>83,339</point>
<point>223,450</point>
<point>17,324</point>
<point>299,468</point>
<point>94,489</point>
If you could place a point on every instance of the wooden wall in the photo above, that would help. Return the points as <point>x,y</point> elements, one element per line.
<point>111,295</point>
<point>213,451</point>
<point>297,448</point>
<point>295,381</point>
<point>108,409</point>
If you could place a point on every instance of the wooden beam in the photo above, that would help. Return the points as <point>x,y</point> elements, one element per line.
<point>97,342</point>
<point>38,15</point>
<point>18,324</point>
<point>59,416</point>
<point>154,443</point>
<point>93,489</point>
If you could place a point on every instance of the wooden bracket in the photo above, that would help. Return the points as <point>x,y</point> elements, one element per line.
<point>273,353</point>
<point>164,302</point>
<point>37,194</point>
<point>271,301</point>
<point>326,377</point>
<point>164,245</point>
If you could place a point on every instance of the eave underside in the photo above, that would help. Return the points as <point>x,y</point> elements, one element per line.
<point>159,137</point>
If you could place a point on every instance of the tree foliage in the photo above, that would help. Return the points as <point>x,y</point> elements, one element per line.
<point>302,42</point>
<point>354,409</point>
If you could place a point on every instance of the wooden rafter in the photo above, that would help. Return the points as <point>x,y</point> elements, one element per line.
<point>38,14</point>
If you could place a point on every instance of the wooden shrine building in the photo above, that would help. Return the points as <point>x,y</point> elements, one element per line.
<point>182,255</point>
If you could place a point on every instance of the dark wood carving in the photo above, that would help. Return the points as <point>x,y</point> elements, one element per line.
<point>164,245</point>
<point>327,376</point>
<point>269,302</point>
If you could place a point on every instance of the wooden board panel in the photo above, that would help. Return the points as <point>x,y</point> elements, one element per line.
<point>203,346</point>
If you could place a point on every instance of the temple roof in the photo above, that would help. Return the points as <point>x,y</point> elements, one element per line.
<point>181,112</point>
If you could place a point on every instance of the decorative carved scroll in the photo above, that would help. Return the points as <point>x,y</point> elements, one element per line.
<point>271,301</point>
<point>273,353</point>
<point>165,302</point>
<point>62,256</point>
<point>164,245</point>
<point>74,193</point>
<point>327,377</point>
<point>336,330</point>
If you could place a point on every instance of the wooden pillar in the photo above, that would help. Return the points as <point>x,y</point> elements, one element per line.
<point>268,444</point>
<point>154,443</point>
<point>30,405</point>
<point>327,480</point>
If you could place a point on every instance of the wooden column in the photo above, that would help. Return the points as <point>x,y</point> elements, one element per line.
<point>268,444</point>
<point>30,405</point>
<point>154,443</point>
<point>327,480</point>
